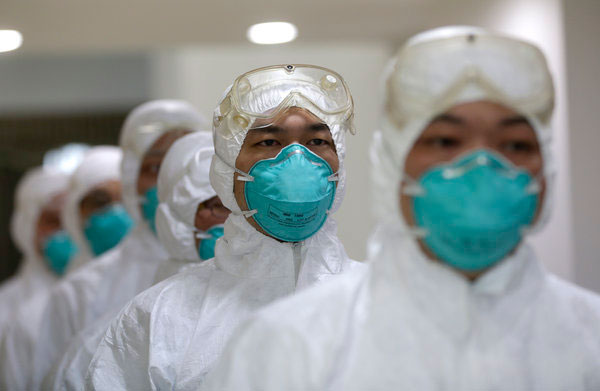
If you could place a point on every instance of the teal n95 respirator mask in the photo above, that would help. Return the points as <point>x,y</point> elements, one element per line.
<point>472,212</point>
<point>289,196</point>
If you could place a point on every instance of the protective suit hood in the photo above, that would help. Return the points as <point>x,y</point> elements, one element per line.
<point>99,165</point>
<point>34,190</point>
<point>183,184</point>
<point>143,126</point>
<point>240,237</point>
<point>413,99</point>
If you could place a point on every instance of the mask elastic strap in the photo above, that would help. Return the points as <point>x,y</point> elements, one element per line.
<point>534,187</point>
<point>417,232</point>
<point>202,235</point>
<point>249,213</point>
<point>244,176</point>
<point>412,187</point>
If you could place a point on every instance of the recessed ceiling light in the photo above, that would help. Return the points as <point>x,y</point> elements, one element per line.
<point>272,33</point>
<point>10,40</point>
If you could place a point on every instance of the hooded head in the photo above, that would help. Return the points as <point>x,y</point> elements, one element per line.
<point>183,184</point>
<point>37,187</point>
<point>100,164</point>
<point>442,68</point>
<point>267,93</point>
<point>142,128</point>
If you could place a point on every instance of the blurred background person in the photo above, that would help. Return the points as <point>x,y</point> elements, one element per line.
<point>183,185</point>
<point>37,228</point>
<point>111,280</point>
<point>38,232</point>
<point>456,298</point>
<point>94,218</point>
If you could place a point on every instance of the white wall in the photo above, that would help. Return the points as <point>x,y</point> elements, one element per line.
<point>583,64</point>
<point>201,74</point>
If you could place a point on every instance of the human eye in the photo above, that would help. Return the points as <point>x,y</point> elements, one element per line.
<point>268,143</point>
<point>443,142</point>
<point>519,146</point>
<point>318,142</point>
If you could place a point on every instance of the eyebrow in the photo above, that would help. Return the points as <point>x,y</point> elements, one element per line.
<point>445,117</point>
<point>318,126</point>
<point>513,121</point>
<point>267,129</point>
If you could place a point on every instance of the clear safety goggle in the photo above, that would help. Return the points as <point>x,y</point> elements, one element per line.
<point>258,97</point>
<point>430,75</point>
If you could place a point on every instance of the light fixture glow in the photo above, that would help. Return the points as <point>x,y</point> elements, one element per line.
<point>10,40</point>
<point>272,33</point>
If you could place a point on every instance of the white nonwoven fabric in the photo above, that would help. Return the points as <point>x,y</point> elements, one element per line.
<point>189,158</point>
<point>24,346</point>
<point>143,126</point>
<point>100,164</point>
<point>393,141</point>
<point>37,187</point>
<point>183,184</point>
<point>87,300</point>
<point>410,323</point>
<point>169,336</point>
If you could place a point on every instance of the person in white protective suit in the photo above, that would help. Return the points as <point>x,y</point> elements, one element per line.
<point>279,135</point>
<point>106,284</point>
<point>454,299</point>
<point>37,232</point>
<point>183,174</point>
<point>93,186</point>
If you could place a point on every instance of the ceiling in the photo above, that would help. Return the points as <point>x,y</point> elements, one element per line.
<point>92,25</point>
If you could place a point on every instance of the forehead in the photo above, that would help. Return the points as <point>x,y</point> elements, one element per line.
<point>55,203</point>
<point>162,144</point>
<point>106,187</point>
<point>482,110</point>
<point>293,115</point>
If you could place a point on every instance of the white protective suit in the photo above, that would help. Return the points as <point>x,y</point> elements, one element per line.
<point>17,345</point>
<point>82,306</point>
<point>189,156</point>
<point>169,336</point>
<point>183,184</point>
<point>414,324</point>
<point>33,277</point>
